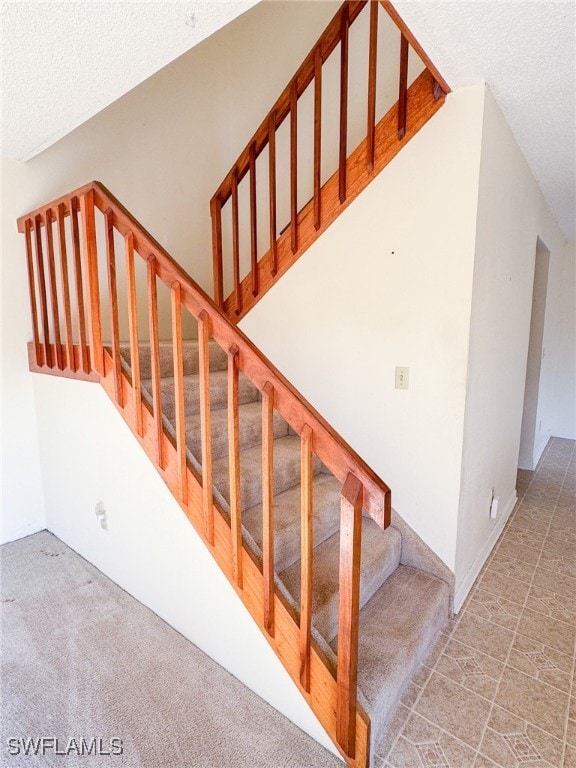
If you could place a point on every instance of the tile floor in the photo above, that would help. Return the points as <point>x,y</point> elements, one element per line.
<point>499,689</point>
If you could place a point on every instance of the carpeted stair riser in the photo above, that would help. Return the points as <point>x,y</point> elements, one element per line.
<point>249,426</point>
<point>397,628</point>
<point>326,491</point>
<point>247,393</point>
<point>286,471</point>
<point>218,358</point>
<point>380,558</point>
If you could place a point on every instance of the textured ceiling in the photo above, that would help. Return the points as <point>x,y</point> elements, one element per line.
<point>525,51</point>
<point>65,60</point>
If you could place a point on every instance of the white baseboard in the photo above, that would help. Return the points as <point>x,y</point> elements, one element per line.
<point>468,581</point>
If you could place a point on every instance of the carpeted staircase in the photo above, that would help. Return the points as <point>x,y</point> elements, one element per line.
<point>402,607</point>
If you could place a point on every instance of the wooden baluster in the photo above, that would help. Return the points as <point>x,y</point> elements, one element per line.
<point>155,359</point>
<point>236,245</point>
<point>372,55</point>
<point>84,352</point>
<point>234,465</point>
<point>60,213</point>
<point>133,330</point>
<point>343,103</point>
<point>253,222</point>
<point>91,257</point>
<point>216,214</point>
<point>272,192</point>
<point>113,297</point>
<point>176,302</point>
<point>48,360</point>
<point>205,423</point>
<point>53,290</point>
<point>403,87</point>
<point>306,521</point>
<point>317,137</point>
<point>348,610</point>
<point>38,352</point>
<point>294,166</point>
<point>268,505</point>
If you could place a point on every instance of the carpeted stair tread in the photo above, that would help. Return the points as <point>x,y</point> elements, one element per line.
<point>250,429</point>
<point>380,558</point>
<point>218,358</point>
<point>326,492</point>
<point>247,392</point>
<point>397,628</point>
<point>286,470</point>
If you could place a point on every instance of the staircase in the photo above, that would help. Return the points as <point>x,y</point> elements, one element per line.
<point>296,520</point>
<point>393,640</point>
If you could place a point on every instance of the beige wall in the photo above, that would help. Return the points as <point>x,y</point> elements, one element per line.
<point>511,216</point>
<point>390,284</point>
<point>21,497</point>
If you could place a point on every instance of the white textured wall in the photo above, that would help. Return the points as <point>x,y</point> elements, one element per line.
<point>88,456</point>
<point>162,150</point>
<point>390,283</point>
<point>21,499</point>
<point>512,214</point>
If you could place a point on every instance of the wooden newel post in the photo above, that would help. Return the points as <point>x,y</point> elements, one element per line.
<point>347,674</point>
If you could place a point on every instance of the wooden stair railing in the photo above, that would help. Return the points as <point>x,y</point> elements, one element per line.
<point>76,217</point>
<point>354,171</point>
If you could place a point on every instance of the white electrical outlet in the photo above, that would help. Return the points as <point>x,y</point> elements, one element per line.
<point>402,376</point>
<point>494,507</point>
<point>101,515</point>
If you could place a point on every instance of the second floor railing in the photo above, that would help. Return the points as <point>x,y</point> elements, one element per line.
<point>318,160</point>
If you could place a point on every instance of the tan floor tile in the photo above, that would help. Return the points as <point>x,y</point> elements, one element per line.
<point>470,668</point>
<point>483,762</point>
<point>425,745</point>
<point>514,743</point>
<point>555,634</point>
<point>564,564</point>
<point>390,734</point>
<point>540,500</point>
<point>569,757</point>
<point>497,579</point>
<point>559,543</point>
<point>541,662</point>
<point>562,585</point>
<point>571,732</point>
<point>483,636</point>
<point>460,712</point>
<point>512,549</point>
<point>520,534</point>
<point>533,701</point>
<point>530,523</point>
<point>558,607</point>
<point>502,612</point>
<point>410,695</point>
<point>436,651</point>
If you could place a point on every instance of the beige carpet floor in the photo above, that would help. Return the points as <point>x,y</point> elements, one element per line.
<point>83,659</point>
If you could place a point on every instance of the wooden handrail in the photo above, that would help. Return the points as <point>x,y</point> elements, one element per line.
<point>329,446</point>
<point>335,35</point>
